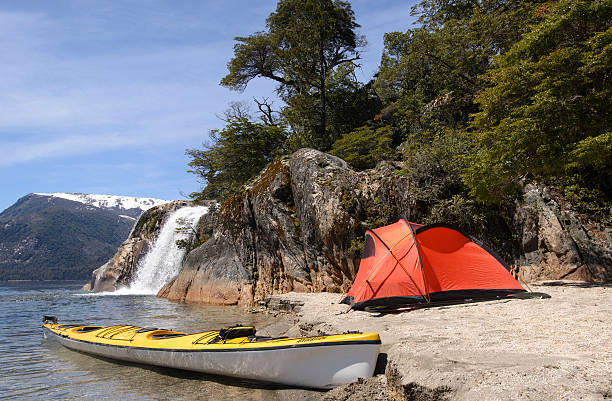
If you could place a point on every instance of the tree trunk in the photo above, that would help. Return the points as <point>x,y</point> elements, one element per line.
<point>322,133</point>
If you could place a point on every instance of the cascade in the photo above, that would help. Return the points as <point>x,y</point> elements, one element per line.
<point>165,258</point>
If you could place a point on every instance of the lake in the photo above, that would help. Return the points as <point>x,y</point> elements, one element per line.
<point>34,368</point>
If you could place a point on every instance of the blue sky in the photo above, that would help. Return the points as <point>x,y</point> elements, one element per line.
<point>105,96</point>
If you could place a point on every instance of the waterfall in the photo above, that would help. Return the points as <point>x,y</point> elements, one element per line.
<point>165,259</point>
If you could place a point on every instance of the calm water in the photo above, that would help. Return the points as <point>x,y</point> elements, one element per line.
<point>34,368</point>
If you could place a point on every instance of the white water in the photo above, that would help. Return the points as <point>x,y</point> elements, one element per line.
<point>165,258</point>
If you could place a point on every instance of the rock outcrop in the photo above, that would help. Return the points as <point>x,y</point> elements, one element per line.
<point>556,243</point>
<point>299,226</point>
<point>119,269</point>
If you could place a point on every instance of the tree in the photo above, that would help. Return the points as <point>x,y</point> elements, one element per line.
<point>442,59</point>
<point>350,104</point>
<point>305,42</point>
<point>546,111</point>
<point>239,151</point>
<point>186,230</point>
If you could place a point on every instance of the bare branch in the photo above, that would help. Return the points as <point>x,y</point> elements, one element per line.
<point>236,111</point>
<point>265,108</point>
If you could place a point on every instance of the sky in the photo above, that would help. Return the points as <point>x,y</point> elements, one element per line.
<point>105,96</point>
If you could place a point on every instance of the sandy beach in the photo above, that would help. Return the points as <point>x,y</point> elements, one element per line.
<point>533,349</point>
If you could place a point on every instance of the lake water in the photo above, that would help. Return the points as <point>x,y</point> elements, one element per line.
<point>36,369</point>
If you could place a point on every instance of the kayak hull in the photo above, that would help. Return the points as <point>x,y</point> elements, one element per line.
<point>311,365</point>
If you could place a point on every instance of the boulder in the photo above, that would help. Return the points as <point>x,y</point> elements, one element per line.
<point>297,227</point>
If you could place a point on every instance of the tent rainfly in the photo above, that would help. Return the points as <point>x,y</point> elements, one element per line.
<point>409,264</point>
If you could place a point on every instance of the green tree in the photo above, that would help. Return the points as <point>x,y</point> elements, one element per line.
<point>350,104</point>
<point>305,42</point>
<point>192,238</point>
<point>431,73</point>
<point>239,151</point>
<point>547,109</point>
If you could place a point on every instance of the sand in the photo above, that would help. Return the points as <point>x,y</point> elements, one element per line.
<point>533,349</point>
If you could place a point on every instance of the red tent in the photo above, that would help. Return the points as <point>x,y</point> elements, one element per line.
<point>407,263</point>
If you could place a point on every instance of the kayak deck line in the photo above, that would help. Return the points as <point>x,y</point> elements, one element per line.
<point>106,337</point>
<point>318,362</point>
<point>303,345</point>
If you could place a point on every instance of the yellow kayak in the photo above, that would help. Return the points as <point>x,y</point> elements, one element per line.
<point>315,362</point>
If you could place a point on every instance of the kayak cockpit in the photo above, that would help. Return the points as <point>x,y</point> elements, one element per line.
<point>87,329</point>
<point>166,334</point>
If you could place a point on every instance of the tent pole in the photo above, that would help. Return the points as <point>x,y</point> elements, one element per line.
<point>377,265</point>
<point>402,266</point>
<point>514,270</point>
<point>418,255</point>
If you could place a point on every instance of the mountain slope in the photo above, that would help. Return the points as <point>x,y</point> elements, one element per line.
<point>64,236</point>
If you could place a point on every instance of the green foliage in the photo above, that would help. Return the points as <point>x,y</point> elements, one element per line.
<point>365,146</point>
<point>435,166</point>
<point>312,38</point>
<point>306,43</point>
<point>547,108</point>
<point>459,210</point>
<point>588,191</point>
<point>240,150</point>
<point>593,151</point>
<point>253,57</point>
<point>357,246</point>
<point>299,115</point>
<point>184,227</point>
<point>192,243</point>
<point>431,73</point>
<point>350,104</point>
<point>536,76</point>
<point>379,214</point>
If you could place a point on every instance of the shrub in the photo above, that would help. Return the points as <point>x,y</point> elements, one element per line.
<point>365,146</point>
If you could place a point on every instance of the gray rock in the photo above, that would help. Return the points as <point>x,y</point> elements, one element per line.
<point>299,226</point>
<point>292,229</point>
<point>556,242</point>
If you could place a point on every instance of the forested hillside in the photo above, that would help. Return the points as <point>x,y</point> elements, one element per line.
<point>478,98</point>
<point>64,236</point>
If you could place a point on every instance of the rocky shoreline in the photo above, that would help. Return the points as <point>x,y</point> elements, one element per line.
<point>532,349</point>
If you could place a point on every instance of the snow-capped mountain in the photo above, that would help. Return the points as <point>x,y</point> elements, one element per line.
<point>63,236</point>
<point>109,201</point>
